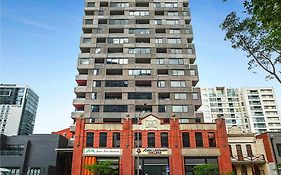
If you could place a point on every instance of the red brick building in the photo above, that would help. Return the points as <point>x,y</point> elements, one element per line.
<point>164,146</point>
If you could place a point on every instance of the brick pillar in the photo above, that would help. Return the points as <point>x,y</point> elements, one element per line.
<point>78,147</point>
<point>176,161</point>
<point>205,139</point>
<point>192,139</point>
<point>127,137</point>
<point>225,165</point>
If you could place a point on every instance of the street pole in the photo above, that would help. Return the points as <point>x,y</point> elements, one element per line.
<point>138,139</point>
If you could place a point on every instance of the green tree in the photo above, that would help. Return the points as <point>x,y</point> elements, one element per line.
<point>101,168</point>
<point>258,33</point>
<point>206,169</point>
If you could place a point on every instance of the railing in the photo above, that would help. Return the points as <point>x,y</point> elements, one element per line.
<point>258,157</point>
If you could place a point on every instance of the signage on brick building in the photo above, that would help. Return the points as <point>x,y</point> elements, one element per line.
<point>101,152</point>
<point>152,151</point>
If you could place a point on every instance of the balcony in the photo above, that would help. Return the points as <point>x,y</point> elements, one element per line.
<point>245,159</point>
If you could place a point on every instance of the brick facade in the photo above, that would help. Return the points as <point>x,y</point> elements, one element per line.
<point>176,151</point>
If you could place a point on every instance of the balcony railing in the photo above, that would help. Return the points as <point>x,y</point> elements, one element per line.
<point>246,158</point>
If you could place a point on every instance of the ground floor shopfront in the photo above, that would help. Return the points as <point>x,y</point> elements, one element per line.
<point>154,147</point>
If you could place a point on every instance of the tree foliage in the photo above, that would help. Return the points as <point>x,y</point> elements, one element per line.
<point>101,168</point>
<point>206,169</point>
<point>258,33</point>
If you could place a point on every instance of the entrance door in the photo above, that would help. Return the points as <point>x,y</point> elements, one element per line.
<point>153,166</point>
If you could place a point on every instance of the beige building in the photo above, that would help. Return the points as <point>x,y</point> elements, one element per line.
<point>136,56</point>
<point>248,154</point>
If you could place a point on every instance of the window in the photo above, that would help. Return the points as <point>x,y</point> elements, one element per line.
<point>162,108</point>
<point>230,150</point>
<point>180,96</point>
<point>88,21</point>
<point>95,72</point>
<point>117,61</point>
<point>100,13</point>
<point>118,21</point>
<point>164,140</point>
<point>95,108</point>
<point>116,140</point>
<point>94,95</point>
<point>97,83</point>
<point>151,140</point>
<point>116,30</point>
<point>278,149</point>
<point>142,4</point>
<point>138,139</point>
<point>195,96</point>
<point>90,4</point>
<point>190,51</point>
<point>172,22</point>
<point>175,61</point>
<point>90,139</point>
<point>180,108</point>
<point>158,21</point>
<point>174,40</point>
<point>212,139</point>
<point>139,50</point>
<point>185,139</point>
<point>198,139</point>
<point>113,95</point>
<point>171,4</point>
<point>119,4</point>
<point>249,151</point>
<point>192,72</point>
<point>159,61</point>
<point>115,108</point>
<point>173,13</point>
<point>140,72</point>
<point>176,51</point>
<point>97,50</point>
<point>142,108</point>
<point>118,40</point>
<point>84,61</point>
<point>157,4</point>
<point>160,30</point>
<point>139,95</point>
<point>139,31</point>
<point>161,84</point>
<point>33,171</point>
<point>103,139</point>
<point>174,31</point>
<point>159,40</point>
<point>177,83</point>
<point>239,152</point>
<point>86,40</point>
<point>139,13</point>
<point>178,72</point>
<point>116,83</point>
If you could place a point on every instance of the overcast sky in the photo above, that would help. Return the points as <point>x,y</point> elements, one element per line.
<point>40,45</point>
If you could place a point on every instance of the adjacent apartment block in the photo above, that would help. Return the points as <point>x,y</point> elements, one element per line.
<point>136,56</point>
<point>250,109</point>
<point>18,107</point>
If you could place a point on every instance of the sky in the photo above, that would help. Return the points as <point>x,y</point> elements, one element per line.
<point>40,45</point>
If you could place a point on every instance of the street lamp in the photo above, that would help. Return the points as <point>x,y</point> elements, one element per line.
<point>138,139</point>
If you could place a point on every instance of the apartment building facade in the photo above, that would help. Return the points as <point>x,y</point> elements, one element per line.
<point>136,56</point>
<point>250,109</point>
<point>18,107</point>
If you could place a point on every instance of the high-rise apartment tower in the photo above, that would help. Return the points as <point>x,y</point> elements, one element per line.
<point>136,56</point>
<point>18,107</point>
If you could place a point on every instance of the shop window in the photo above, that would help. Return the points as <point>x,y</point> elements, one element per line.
<point>249,151</point>
<point>89,139</point>
<point>212,139</point>
<point>164,140</point>
<point>198,139</point>
<point>138,139</point>
<point>116,140</point>
<point>151,139</point>
<point>103,139</point>
<point>185,139</point>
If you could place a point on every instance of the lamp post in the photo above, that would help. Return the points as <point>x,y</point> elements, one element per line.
<point>138,139</point>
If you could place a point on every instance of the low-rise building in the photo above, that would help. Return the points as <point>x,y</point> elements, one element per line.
<point>35,154</point>
<point>157,145</point>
